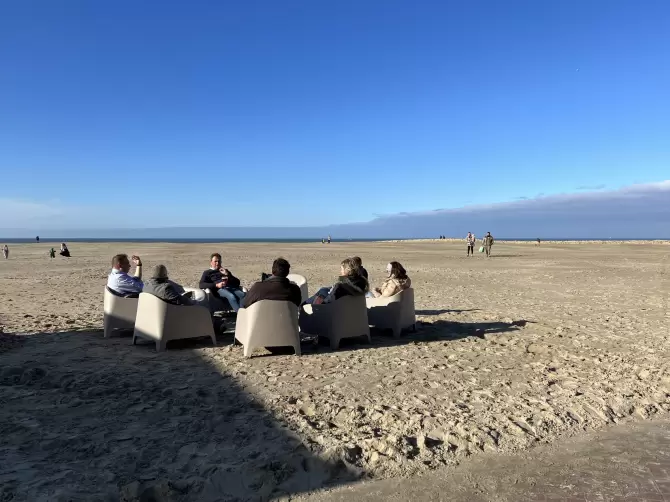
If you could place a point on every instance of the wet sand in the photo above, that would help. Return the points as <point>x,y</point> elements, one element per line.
<point>530,346</point>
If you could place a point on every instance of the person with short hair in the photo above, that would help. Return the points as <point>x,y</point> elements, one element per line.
<point>397,281</point>
<point>277,287</point>
<point>120,281</point>
<point>222,283</point>
<point>349,283</point>
<point>361,268</point>
<point>5,251</point>
<point>488,242</point>
<point>162,287</point>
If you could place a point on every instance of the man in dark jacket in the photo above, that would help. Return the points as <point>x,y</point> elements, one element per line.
<point>361,268</point>
<point>221,282</point>
<point>277,287</point>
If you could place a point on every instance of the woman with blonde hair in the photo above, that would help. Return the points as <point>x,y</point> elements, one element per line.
<point>396,282</point>
<point>349,283</point>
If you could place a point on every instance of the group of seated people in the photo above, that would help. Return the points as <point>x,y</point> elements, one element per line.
<point>353,281</point>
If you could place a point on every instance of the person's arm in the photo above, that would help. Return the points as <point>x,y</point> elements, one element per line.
<point>205,281</point>
<point>171,296</point>
<point>129,284</point>
<point>233,282</point>
<point>251,297</point>
<point>389,288</point>
<point>296,295</point>
<point>138,267</point>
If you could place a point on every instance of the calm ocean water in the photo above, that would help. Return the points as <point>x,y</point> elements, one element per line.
<point>284,241</point>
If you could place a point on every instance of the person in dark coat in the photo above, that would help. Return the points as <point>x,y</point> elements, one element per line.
<point>277,287</point>
<point>222,283</point>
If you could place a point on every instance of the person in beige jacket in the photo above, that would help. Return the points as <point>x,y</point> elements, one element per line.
<point>397,281</point>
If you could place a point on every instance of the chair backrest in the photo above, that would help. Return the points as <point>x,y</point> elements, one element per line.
<point>272,321</point>
<point>350,316</point>
<point>118,305</point>
<point>301,282</point>
<point>408,315</point>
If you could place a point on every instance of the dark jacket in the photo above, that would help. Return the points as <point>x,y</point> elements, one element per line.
<point>274,288</point>
<point>353,285</point>
<point>363,272</point>
<point>211,277</point>
<point>166,291</point>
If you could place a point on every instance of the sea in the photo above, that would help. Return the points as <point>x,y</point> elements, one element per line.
<point>50,240</point>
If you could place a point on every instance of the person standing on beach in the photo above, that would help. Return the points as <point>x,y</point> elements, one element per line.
<point>471,239</point>
<point>488,242</point>
<point>52,253</point>
<point>5,251</point>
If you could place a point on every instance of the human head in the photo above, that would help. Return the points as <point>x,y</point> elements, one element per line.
<point>358,261</point>
<point>396,270</point>
<point>160,272</point>
<point>215,261</point>
<point>281,268</point>
<point>349,267</point>
<point>121,262</point>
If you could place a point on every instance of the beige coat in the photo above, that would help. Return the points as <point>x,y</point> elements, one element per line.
<point>393,286</point>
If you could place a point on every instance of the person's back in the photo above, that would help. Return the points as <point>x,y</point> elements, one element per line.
<point>276,288</point>
<point>160,286</point>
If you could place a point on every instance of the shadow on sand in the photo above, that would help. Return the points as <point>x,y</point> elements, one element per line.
<point>88,418</point>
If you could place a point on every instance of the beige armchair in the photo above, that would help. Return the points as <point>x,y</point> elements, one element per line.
<point>161,322</point>
<point>343,318</point>
<point>268,323</point>
<point>301,282</point>
<point>119,312</point>
<point>394,312</point>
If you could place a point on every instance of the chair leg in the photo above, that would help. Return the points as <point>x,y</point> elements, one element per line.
<point>160,345</point>
<point>396,333</point>
<point>134,338</point>
<point>298,350</point>
<point>213,336</point>
<point>107,327</point>
<point>369,338</point>
<point>247,351</point>
<point>334,343</point>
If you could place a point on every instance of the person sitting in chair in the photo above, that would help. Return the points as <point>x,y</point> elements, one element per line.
<point>350,283</point>
<point>119,281</point>
<point>276,287</point>
<point>397,281</point>
<point>222,283</point>
<point>162,287</point>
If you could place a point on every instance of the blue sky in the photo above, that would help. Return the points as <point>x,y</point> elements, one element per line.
<point>304,113</point>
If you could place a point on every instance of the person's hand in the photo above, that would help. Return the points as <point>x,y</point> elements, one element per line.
<point>136,260</point>
<point>219,285</point>
<point>378,290</point>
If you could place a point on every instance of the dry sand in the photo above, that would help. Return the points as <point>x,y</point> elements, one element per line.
<point>534,344</point>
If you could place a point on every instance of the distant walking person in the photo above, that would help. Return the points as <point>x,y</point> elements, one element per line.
<point>52,253</point>
<point>471,239</point>
<point>5,251</point>
<point>64,251</point>
<point>538,241</point>
<point>37,238</point>
<point>329,239</point>
<point>488,242</point>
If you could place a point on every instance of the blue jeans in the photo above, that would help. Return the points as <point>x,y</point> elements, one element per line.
<point>233,297</point>
<point>323,292</point>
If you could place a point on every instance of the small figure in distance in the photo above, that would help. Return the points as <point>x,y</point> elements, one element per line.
<point>471,240</point>
<point>37,238</point>
<point>64,251</point>
<point>488,243</point>
<point>52,253</point>
<point>329,239</point>
<point>5,251</point>
<point>538,241</point>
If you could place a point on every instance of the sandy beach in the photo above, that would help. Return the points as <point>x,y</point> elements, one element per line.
<point>528,347</point>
